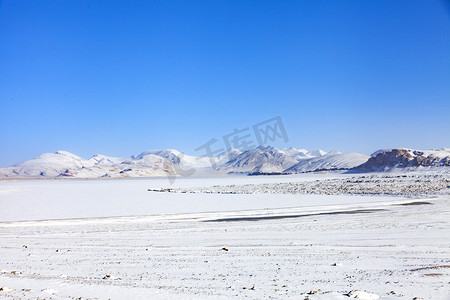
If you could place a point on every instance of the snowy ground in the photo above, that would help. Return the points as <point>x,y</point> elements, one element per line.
<point>103,239</point>
<point>410,185</point>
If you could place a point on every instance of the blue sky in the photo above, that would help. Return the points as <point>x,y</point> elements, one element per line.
<point>121,77</point>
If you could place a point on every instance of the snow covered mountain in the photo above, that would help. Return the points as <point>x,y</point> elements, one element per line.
<point>148,163</point>
<point>331,161</point>
<point>170,154</point>
<point>103,160</point>
<point>66,164</point>
<point>263,159</point>
<point>299,154</point>
<point>260,159</point>
<point>46,165</point>
<point>178,158</point>
<point>392,159</point>
<point>156,163</point>
<point>272,160</point>
<point>227,156</point>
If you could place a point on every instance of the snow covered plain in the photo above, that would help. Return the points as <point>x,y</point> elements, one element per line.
<point>112,238</point>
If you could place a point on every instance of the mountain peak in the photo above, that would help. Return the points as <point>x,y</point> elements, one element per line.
<point>160,152</point>
<point>266,148</point>
<point>66,153</point>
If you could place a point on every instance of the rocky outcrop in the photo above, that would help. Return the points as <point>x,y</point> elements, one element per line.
<point>405,158</point>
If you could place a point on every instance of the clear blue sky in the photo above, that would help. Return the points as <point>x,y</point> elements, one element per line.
<point>121,77</point>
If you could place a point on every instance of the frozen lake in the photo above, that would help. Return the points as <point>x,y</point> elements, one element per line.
<point>65,199</point>
<point>104,239</point>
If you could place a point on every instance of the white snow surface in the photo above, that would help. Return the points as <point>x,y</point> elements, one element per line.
<point>113,239</point>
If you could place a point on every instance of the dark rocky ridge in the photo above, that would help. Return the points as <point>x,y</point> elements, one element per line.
<point>405,158</point>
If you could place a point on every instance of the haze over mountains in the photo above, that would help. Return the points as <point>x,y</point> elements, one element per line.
<point>262,159</point>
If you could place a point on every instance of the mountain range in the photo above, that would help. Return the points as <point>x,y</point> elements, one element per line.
<point>260,160</point>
